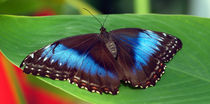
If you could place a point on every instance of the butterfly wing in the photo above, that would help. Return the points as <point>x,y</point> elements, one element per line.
<point>142,54</point>
<point>83,60</point>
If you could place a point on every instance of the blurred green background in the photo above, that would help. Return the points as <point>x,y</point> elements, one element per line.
<point>61,7</point>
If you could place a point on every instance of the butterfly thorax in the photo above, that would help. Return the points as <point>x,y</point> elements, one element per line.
<point>110,44</point>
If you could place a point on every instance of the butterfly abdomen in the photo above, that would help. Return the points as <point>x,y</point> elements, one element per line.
<point>111,46</point>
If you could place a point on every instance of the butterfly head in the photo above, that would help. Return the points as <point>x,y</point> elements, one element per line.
<point>103,30</point>
<point>104,34</point>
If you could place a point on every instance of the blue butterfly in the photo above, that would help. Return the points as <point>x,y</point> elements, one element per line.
<point>98,62</point>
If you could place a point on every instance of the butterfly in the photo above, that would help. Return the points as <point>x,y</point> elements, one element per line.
<point>99,62</point>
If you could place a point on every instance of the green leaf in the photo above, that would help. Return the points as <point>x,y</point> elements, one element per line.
<point>187,78</point>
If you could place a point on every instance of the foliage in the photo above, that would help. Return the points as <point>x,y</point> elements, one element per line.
<point>187,78</point>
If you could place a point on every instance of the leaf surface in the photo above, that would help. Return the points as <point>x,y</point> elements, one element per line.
<point>187,76</point>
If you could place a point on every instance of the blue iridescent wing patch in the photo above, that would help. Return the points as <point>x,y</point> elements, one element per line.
<point>143,54</point>
<point>98,62</point>
<point>76,59</point>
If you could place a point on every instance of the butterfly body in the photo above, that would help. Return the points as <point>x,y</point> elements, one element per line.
<point>110,44</point>
<point>98,62</point>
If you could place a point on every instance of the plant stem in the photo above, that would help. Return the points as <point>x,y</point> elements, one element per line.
<point>142,6</point>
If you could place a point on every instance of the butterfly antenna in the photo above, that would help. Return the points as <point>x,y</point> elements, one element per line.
<point>105,20</point>
<point>93,16</point>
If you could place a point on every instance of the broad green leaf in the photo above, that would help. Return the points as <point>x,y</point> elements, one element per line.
<point>187,77</point>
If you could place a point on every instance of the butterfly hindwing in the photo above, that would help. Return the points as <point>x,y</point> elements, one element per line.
<point>142,54</point>
<point>83,60</point>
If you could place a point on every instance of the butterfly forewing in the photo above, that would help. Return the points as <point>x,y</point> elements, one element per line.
<point>142,54</point>
<point>83,60</point>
